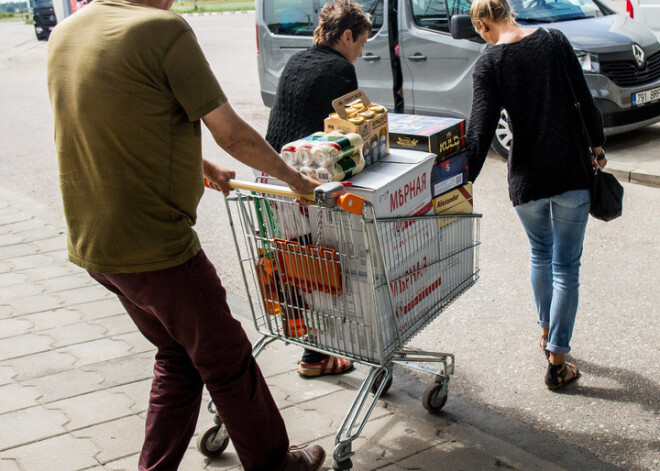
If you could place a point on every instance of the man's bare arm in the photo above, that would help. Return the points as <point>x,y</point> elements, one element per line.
<point>246,145</point>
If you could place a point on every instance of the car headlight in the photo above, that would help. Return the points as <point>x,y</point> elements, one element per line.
<point>588,61</point>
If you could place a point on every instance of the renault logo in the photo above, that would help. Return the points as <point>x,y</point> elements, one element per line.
<point>638,52</point>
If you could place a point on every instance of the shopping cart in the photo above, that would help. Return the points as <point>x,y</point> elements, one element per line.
<point>333,278</point>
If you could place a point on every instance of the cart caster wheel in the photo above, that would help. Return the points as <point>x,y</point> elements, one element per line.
<point>378,380</point>
<point>342,465</point>
<point>435,397</point>
<point>214,442</point>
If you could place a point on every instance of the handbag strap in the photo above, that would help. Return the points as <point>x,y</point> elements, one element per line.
<point>576,103</point>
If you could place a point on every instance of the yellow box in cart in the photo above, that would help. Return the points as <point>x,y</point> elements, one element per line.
<point>458,201</point>
<point>373,130</point>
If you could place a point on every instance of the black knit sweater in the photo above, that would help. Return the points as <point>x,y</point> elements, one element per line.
<point>548,156</point>
<point>309,82</point>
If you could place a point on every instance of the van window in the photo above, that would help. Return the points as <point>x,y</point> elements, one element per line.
<point>435,14</point>
<point>300,17</point>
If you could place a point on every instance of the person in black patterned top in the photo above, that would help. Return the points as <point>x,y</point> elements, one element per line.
<point>548,165</point>
<point>311,80</point>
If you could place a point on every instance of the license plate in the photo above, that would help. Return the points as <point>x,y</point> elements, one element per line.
<point>647,96</point>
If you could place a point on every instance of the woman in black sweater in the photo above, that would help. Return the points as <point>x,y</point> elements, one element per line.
<point>311,80</point>
<point>548,178</point>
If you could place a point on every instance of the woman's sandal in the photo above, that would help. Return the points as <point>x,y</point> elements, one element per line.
<point>543,343</point>
<point>331,365</point>
<point>560,375</point>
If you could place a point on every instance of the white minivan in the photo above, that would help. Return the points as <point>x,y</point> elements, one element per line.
<point>620,57</point>
<point>646,12</point>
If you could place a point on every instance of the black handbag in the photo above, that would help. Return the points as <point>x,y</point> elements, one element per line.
<point>606,191</point>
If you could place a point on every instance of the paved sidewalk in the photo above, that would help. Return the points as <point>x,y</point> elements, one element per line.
<point>75,376</point>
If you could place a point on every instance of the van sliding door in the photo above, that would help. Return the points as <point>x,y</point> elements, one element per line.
<point>374,68</point>
<point>437,69</point>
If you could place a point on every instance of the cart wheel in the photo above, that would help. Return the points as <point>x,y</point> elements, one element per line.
<point>378,380</point>
<point>214,442</point>
<point>342,465</point>
<point>435,397</point>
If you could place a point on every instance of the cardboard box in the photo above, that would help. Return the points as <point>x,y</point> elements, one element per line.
<point>373,131</point>
<point>449,174</point>
<point>458,201</point>
<point>441,136</point>
<point>365,318</point>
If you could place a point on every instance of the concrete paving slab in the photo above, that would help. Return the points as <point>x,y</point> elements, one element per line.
<point>124,370</point>
<point>116,439</point>
<point>56,454</point>
<point>51,271</point>
<point>34,304</point>
<point>20,291</point>
<point>137,392</point>
<point>6,375</point>
<point>97,351</point>
<point>11,239</point>
<point>30,261</point>
<point>85,295</point>
<point>30,425</point>
<point>137,342</point>
<point>66,384</point>
<point>9,465</point>
<point>53,318</point>
<point>6,311</point>
<point>16,396</point>
<point>19,227</point>
<point>12,279</point>
<point>14,215</point>
<point>100,309</point>
<point>65,283</point>
<point>299,390</point>
<point>72,334</point>
<point>49,245</point>
<point>12,327</point>
<point>92,409</point>
<point>40,364</point>
<point>18,250</point>
<point>38,232</point>
<point>22,345</point>
<point>128,463</point>
<point>115,325</point>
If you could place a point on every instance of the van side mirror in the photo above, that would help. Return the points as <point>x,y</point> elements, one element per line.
<point>461,28</point>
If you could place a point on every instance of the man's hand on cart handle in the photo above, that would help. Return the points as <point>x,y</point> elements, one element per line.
<point>304,186</point>
<point>217,178</point>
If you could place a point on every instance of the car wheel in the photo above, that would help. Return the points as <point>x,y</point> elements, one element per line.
<point>503,135</point>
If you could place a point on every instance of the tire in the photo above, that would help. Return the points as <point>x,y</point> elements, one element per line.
<point>378,380</point>
<point>435,397</point>
<point>503,135</point>
<point>206,443</point>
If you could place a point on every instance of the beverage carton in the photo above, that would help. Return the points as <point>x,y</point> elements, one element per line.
<point>438,135</point>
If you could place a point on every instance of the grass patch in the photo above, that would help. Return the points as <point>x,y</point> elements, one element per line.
<point>204,6</point>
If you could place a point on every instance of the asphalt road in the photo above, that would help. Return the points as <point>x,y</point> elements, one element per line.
<point>609,420</point>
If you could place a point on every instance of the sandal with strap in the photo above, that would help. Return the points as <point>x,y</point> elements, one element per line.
<point>560,375</point>
<point>543,343</point>
<point>331,365</point>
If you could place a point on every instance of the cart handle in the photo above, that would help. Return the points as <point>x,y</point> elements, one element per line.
<point>347,201</point>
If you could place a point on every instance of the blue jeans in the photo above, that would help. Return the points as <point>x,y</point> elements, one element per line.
<point>555,227</point>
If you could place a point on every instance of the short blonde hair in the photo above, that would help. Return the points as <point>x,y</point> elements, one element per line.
<point>493,10</point>
<point>338,16</point>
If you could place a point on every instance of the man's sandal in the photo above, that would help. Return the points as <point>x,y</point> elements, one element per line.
<point>559,376</point>
<point>543,343</point>
<point>331,365</point>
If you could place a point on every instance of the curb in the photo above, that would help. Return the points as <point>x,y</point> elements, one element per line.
<point>633,174</point>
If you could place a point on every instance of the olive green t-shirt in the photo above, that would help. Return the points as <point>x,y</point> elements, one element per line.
<point>128,85</point>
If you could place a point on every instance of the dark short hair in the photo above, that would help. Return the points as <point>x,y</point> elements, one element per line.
<point>338,16</point>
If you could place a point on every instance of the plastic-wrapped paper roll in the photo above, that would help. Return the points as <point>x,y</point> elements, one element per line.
<point>289,153</point>
<point>337,147</point>
<point>304,153</point>
<point>307,171</point>
<point>345,168</point>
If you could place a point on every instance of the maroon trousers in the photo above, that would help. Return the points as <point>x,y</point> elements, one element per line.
<point>183,311</point>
